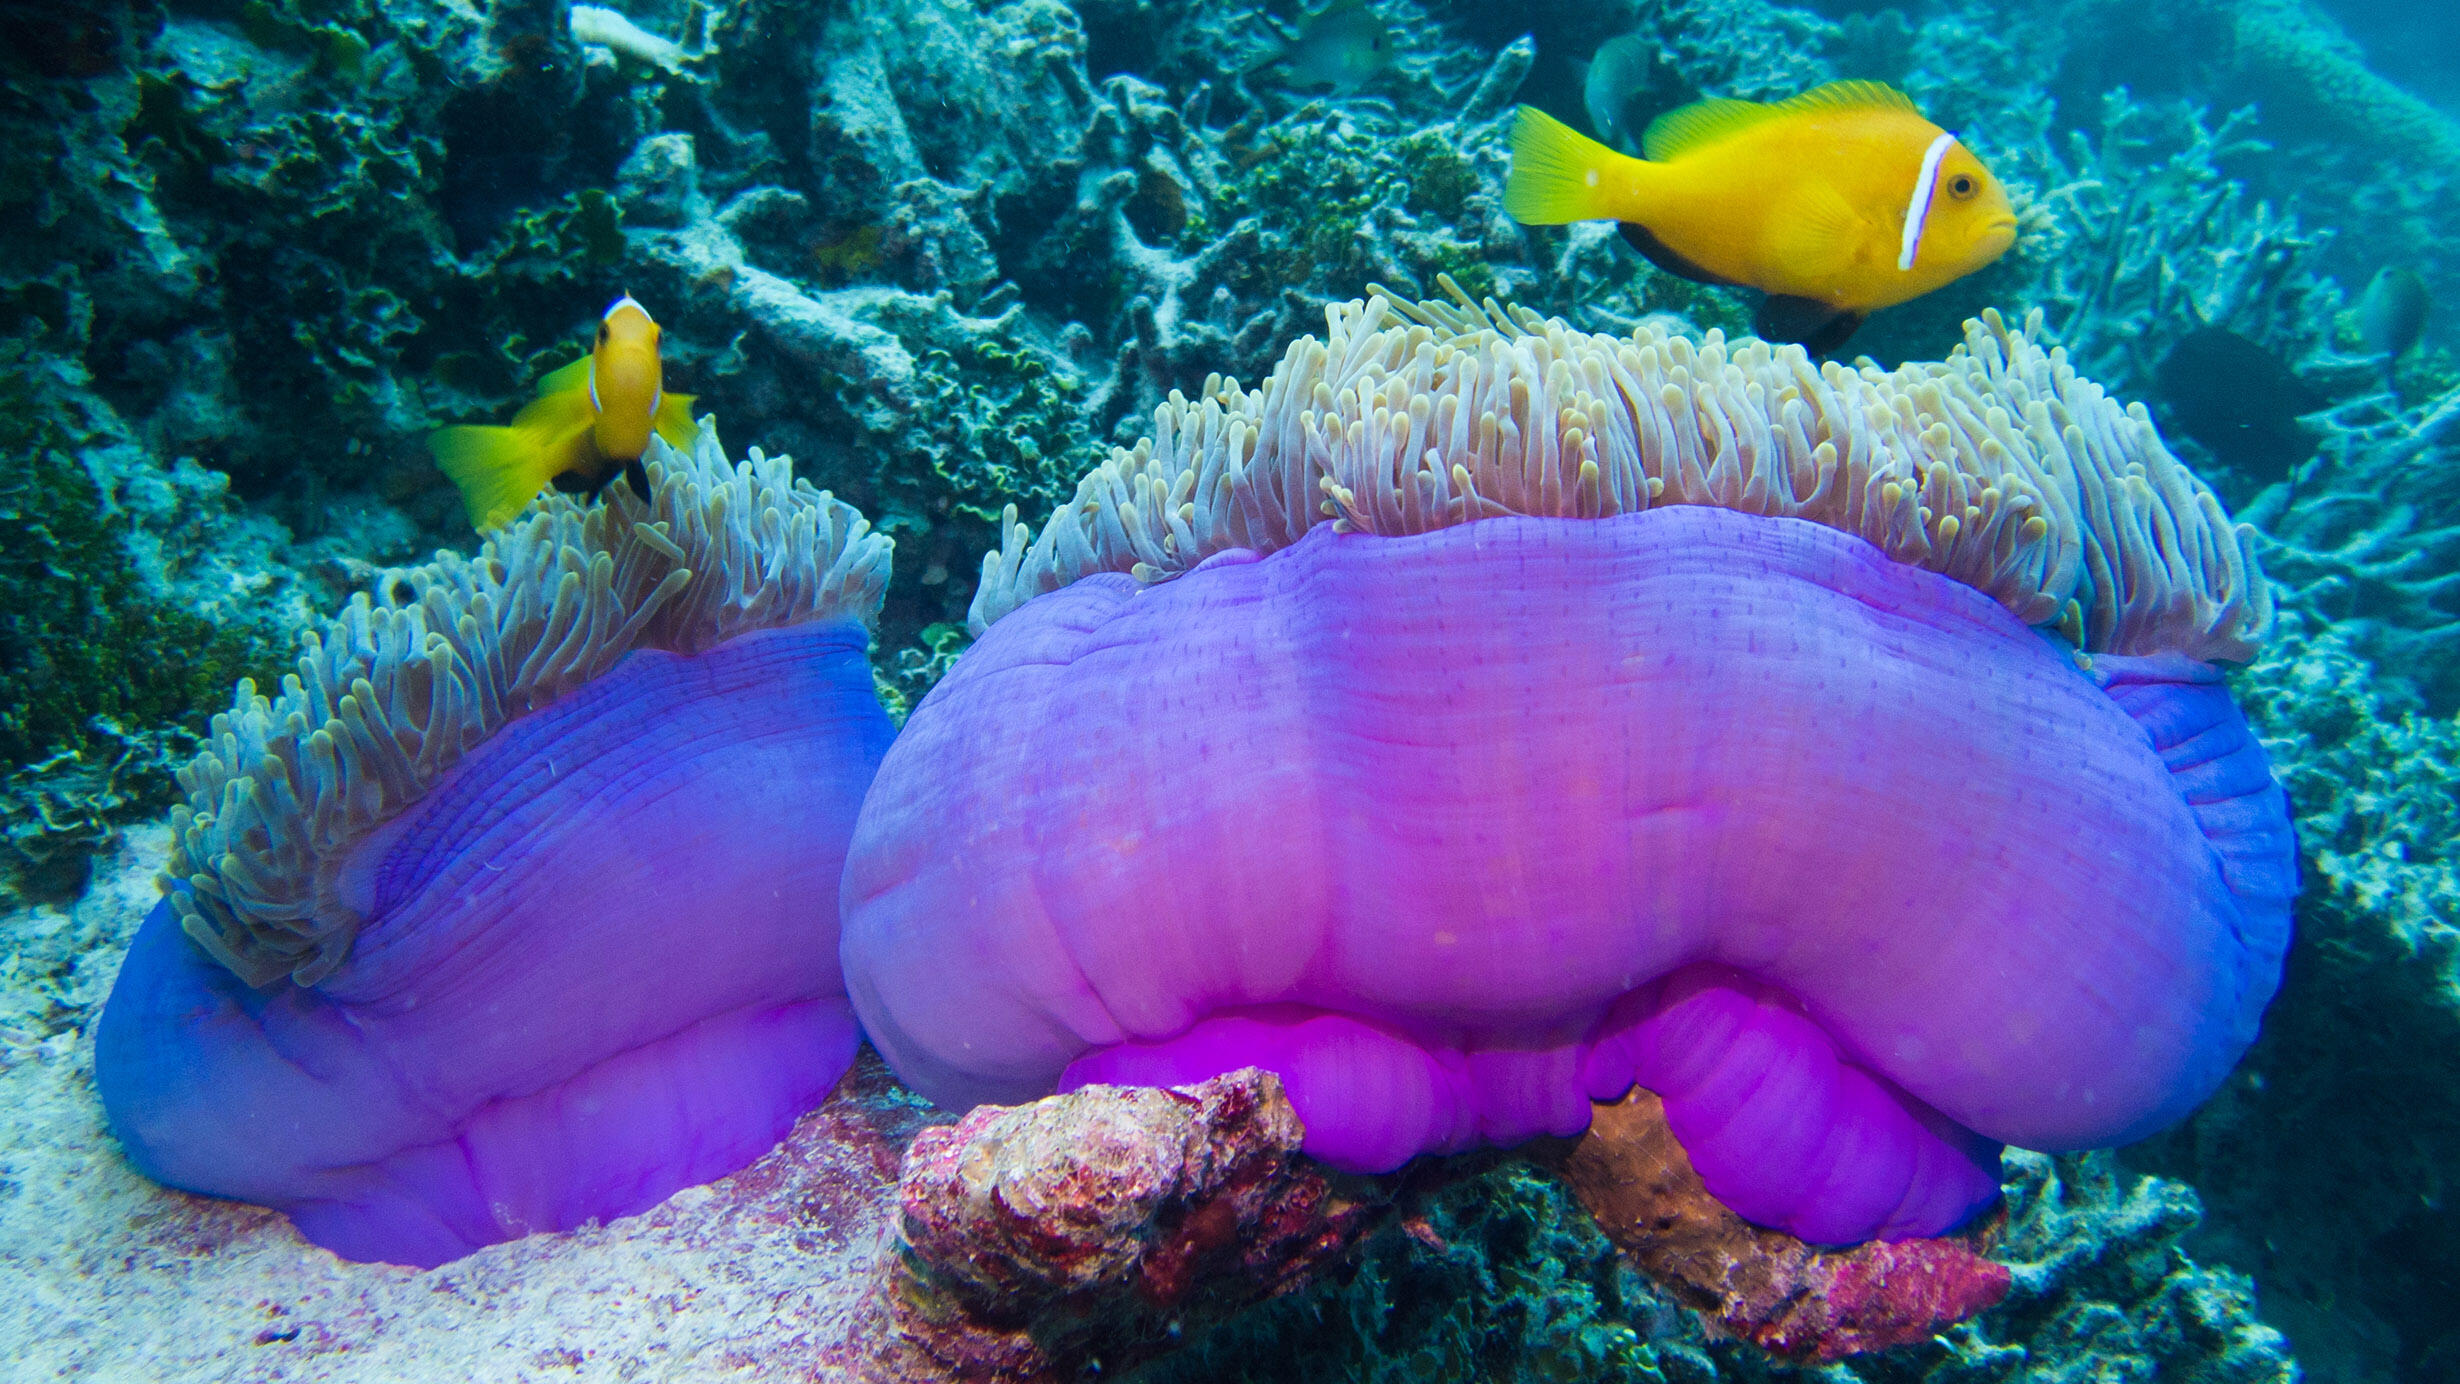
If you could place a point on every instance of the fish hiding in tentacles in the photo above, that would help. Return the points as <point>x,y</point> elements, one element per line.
<point>1836,203</point>
<point>591,421</point>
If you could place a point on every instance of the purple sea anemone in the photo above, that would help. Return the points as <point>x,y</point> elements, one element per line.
<point>516,907</point>
<point>1832,752</point>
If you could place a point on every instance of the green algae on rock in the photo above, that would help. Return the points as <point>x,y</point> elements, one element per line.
<point>113,633</point>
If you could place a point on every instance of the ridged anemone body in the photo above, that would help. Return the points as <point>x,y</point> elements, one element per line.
<point>1481,718</point>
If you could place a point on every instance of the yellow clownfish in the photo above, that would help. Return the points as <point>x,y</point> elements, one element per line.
<point>1838,202</point>
<point>590,422</point>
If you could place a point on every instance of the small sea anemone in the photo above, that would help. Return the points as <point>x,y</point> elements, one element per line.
<point>516,905</point>
<point>1529,713</point>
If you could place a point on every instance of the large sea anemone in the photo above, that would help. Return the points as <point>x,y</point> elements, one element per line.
<point>1483,716</point>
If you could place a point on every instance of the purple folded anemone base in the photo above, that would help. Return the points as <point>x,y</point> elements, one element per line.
<point>535,935</point>
<point>1460,830</point>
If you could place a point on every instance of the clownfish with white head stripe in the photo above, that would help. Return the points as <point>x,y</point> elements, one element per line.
<point>1837,203</point>
<point>591,421</point>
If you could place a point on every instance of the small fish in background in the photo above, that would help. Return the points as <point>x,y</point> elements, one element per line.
<point>1343,46</point>
<point>1837,203</point>
<point>591,421</point>
<point>2392,313</point>
<point>1620,70</point>
<point>2239,400</point>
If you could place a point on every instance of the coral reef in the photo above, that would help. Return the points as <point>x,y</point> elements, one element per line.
<point>2370,542</point>
<point>130,597</point>
<point>948,253</point>
<point>1500,1274</point>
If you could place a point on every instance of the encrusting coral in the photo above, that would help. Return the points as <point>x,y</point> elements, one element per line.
<point>2000,467</point>
<point>401,685</point>
<point>534,858</point>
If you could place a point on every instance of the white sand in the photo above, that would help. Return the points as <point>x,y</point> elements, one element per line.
<point>105,1276</point>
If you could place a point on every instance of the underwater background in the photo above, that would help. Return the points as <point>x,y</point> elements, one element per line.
<point>946,253</point>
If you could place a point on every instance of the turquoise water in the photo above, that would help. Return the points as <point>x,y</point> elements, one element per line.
<point>948,254</point>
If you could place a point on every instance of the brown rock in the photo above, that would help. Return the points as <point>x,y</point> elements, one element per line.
<point>1765,1286</point>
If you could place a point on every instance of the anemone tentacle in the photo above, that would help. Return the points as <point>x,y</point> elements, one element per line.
<point>2000,466</point>
<point>406,680</point>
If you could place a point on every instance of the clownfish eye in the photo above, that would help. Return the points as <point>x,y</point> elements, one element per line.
<point>1962,186</point>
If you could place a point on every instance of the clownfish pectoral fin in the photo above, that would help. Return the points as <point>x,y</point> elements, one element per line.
<point>1817,327</point>
<point>573,377</point>
<point>673,421</point>
<point>1817,234</point>
<point>1559,174</point>
<point>1644,240</point>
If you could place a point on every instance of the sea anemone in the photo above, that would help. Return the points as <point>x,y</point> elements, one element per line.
<point>516,906</point>
<point>1832,751</point>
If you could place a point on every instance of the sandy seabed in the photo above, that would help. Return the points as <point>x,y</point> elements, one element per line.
<point>106,1276</point>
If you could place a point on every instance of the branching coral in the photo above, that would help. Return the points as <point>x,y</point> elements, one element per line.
<point>2001,467</point>
<point>396,691</point>
<point>2371,538</point>
<point>2140,238</point>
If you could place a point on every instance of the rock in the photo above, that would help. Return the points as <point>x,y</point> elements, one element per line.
<point>660,182</point>
<point>1764,1286</point>
<point>1095,1229</point>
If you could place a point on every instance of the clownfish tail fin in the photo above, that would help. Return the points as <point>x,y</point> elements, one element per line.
<point>1559,174</point>
<point>497,470</point>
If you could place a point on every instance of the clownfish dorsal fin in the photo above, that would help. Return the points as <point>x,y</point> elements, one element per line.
<point>1702,123</point>
<point>573,376</point>
<point>1849,96</point>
